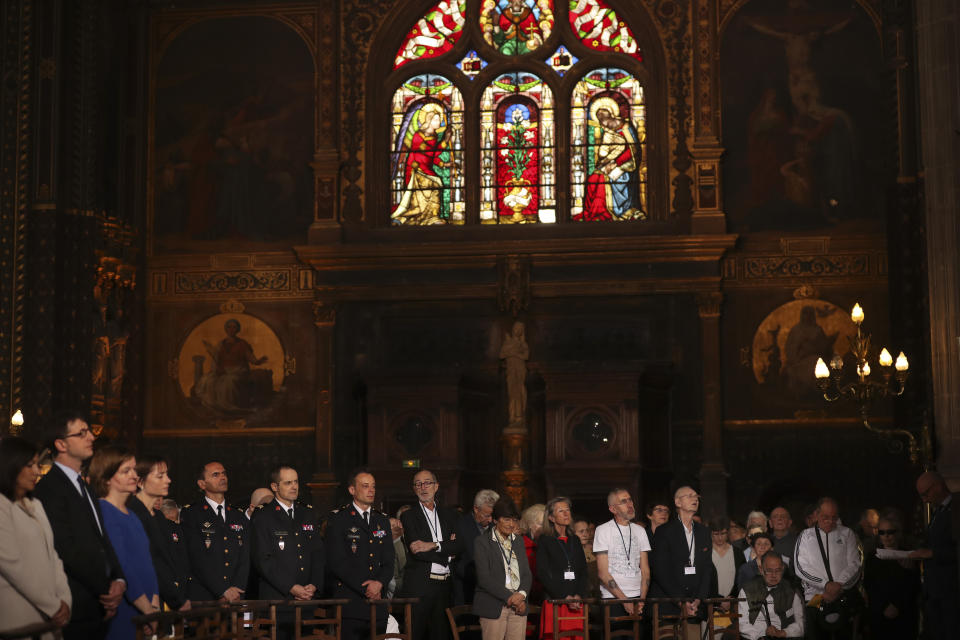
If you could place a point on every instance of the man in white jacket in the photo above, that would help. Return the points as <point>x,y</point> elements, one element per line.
<point>827,560</point>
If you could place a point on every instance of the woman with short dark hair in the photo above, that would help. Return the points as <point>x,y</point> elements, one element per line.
<point>33,585</point>
<point>503,576</point>
<point>113,475</point>
<point>166,549</point>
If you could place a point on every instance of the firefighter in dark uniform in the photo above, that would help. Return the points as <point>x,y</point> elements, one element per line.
<point>287,548</point>
<point>360,557</point>
<point>177,550</point>
<point>217,540</point>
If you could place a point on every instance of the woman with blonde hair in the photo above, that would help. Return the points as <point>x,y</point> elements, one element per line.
<point>113,475</point>
<point>33,585</point>
<point>561,567</point>
<point>531,521</point>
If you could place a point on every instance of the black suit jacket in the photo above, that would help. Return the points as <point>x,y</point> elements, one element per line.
<point>173,587</point>
<point>357,552</point>
<point>464,567</point>
<point>669,559</point>
<point>940,572</point>
<point>219,551</point>
<point>88,557</point>
<point>553,558</point>
<point>287,552</point>
<point>416,575</point>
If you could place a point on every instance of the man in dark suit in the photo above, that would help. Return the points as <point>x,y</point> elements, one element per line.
<point>681,564</point>
<point>359,557</point>
<point>940,579</point>
<point>469,526</point>
<point>431,535</point>
<point>93,571</point>
<point>217,538</point>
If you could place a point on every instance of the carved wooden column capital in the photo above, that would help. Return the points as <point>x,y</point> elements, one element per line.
<point>708,304</point>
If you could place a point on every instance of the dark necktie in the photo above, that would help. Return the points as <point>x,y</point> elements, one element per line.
<point>86,500</point>
<point>290,513</point>
<point>366,517</point>
<point>220,512</point>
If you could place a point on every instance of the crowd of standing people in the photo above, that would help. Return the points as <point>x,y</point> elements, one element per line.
<point>96,541</point>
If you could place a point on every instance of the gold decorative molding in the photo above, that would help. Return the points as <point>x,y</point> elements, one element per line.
<point>232,306</point>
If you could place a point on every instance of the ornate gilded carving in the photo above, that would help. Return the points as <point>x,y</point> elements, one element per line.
<point>221,281</point>
<point>708,304</point>
<point>324,314</point>
<point>793,266</point>
<point>358,21</point>
<point>232,306</point>
<point>15,118</point>
<point>513,293</point>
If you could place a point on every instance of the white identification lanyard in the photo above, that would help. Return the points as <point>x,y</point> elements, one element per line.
<point>435,525</point>
<point>690,569</point>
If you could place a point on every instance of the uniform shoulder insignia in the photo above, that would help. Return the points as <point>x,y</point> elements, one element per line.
<point>309,506</point>
<point>378,511</point>
<point>186,506</point>
<point>259,506</point>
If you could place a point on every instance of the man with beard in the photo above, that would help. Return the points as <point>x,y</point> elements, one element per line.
<point>621,547</point>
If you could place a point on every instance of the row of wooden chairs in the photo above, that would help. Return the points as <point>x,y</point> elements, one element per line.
<point>322,620</point>
<point>464,625</point>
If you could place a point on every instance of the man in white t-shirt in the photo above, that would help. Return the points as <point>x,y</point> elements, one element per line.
<point>621,548</point>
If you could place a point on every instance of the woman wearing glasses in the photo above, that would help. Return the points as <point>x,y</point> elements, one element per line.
<point>33,585</point>
<point>892,587</point>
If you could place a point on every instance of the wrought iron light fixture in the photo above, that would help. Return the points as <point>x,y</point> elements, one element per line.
<point>864,389</point>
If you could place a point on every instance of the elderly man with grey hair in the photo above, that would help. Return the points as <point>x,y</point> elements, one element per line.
<point>469,526</point>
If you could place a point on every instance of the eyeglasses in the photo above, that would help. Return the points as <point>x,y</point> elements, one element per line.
<point>773,572</point>
<point>886,532</point>
<point>79,434</point>
<point>661,510</point>
<point>424,484</point>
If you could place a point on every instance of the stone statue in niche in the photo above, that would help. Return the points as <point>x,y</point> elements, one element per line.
<point>515,353</point>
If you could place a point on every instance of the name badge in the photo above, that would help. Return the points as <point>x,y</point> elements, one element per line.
<point>689,571</point>
<point>568,575</point>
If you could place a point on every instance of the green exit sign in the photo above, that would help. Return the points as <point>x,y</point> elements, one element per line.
<point>411,463</point>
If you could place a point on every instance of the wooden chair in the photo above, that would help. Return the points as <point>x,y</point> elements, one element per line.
<point>463,614</point>
<point>583,616</point>
<point>533,620</point>
<point>407,604</point>
<point>713,609</point>
<point>318,619</point>
<point>635,619</point>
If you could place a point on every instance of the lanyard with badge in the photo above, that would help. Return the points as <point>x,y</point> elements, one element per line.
<point>626,550</point>
<point>690,569</point>
<point>507,558</point>
<point>435,525</point>
<point>568,574</point>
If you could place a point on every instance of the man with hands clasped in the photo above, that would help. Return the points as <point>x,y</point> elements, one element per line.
<point>621,547</point>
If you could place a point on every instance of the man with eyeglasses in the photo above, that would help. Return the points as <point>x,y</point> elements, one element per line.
<point>431,536</point>
<point>769,605</point>
<point>827,560</point>
<point>93,571</point>
<point>621,547</point>
<point>681,561</point>
<point>940,583</point>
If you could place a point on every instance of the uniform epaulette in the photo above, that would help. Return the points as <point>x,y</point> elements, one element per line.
<point>259,506</point>
<point>309,506</point>
<point>186,506</point>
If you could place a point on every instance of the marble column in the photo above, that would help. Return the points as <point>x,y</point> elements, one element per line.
<point>713,475</point>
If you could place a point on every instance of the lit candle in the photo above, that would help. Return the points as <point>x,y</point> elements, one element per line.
<point>866,368</point>
<point>17,419</point>
<point>857,314</point>
<point>902,364</point>
<point>885,359</point>
<point>821,369</point>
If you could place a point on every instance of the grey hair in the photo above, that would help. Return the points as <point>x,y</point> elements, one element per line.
<point>758,514</point>
<point>486,498</point>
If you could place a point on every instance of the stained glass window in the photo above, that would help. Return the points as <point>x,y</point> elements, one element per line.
<point>512,121</point>
<point>516,27</point>
<point>608,170</point>
<point>434,34</point>
<point>426,164</point>
<point>599,27</point>
<point>517,155</point>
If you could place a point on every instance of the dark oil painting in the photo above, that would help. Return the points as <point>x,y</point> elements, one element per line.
<point>233,137</point>
<point>807,116</point>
